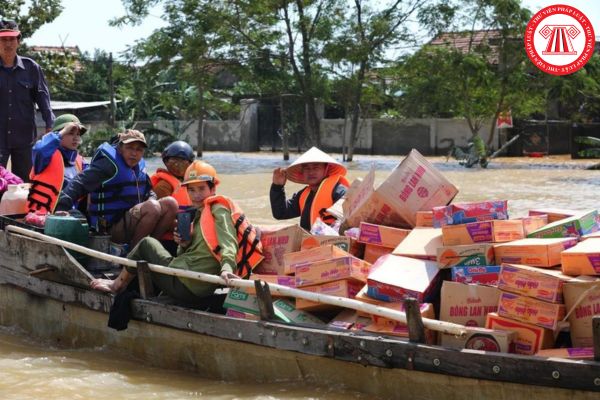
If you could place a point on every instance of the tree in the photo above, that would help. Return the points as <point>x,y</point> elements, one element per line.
<point>480,78</point>
<point>360,45</point>
<point>193,44</point>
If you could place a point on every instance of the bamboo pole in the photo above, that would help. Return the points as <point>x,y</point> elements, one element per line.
<point>440,326</point>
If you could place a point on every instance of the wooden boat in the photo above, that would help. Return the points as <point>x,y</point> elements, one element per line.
<point>44,291</point>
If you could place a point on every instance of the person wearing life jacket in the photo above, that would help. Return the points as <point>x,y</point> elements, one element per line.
<point>222,242</point>
<point>326,184</point>
<point>121,202</point>
<point>55,162</point>
<point>167,182</point>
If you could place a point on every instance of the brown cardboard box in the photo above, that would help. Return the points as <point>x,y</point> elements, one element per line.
<point>554,214</point>
<point>534,252</point>
<point>380,235</point>
<point>373,252</point>
<point>421,243</point>
<point>542,284</point>
<point>414,185</point>
<point>332,269</point>
<point>582,298</point>
<point>346,288</point>
<point>392,327</point>
<point>582,259</point>
<point>467,304</point>
<point>533,222</point>
<point>283,280</point>
<point>291,260</point>
<point>311,241</point>
<point>481,232</point>
<point>530,338</point>
<point>572,353</point>
<point>278,240</point>
<point>483,339</point>
<point>468,255</point>
<point>530,310</point>
<point>424,219</point>
<point>349,320</point>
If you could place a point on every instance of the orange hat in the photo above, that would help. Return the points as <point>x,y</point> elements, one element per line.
<point>313,155</point>
<point>200,171</point>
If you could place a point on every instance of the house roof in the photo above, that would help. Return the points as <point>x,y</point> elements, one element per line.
<point>73,51</point>
<point>462,40</point>
<point>77,105</point>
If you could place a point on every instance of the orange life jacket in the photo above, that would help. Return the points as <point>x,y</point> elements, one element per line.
<point>323,199</point>
<point>46,186</point>
<point>179,192</point>
<point>250,249</point>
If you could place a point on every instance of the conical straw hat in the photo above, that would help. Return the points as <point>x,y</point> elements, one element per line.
<point>314,155</point>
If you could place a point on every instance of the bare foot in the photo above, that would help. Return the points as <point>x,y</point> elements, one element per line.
<point>104,285</point>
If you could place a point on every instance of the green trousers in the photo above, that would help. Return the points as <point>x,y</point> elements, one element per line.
<point>153,252</point>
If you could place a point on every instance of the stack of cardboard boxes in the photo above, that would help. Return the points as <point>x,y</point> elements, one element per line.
<point>509,281</point>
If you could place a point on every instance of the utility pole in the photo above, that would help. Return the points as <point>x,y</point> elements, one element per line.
<point>111,87</point>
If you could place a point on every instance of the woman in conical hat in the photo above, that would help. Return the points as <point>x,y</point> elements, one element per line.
<point>326,184</point>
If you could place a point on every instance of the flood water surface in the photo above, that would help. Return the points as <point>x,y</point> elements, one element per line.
<point>31,370</point>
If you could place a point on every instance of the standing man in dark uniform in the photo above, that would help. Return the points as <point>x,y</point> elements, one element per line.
<point>22,86</point>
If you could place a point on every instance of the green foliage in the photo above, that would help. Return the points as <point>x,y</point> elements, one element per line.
<point>30,15</point>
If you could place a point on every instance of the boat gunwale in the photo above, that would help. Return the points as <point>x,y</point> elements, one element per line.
<point>367,350</point>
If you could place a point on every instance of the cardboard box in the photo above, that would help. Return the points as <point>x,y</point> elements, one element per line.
<point>533,222</point>
<point>333,269</point>
<point>420,243</point>
<point>554,214</point>
<point>482,339</point>
<point>244,302</point>
<point>542,284</point>
<point>481,232</point>
<point>393,278</point>
<point>534,252</point>
<point>578,225</point>
<point>582,299</point>
<point>241,315</point>
<point>277,241</point>
<point>424,219</point>
<point>468,255</point>
<point>582,259</point>
<point>483,274</point>
<point>467,304</point>
<point>312,241</point>
<point>380,235</point>
<point>283,280</point>
<point>530,310</point>
<point>573,353</point>
<point>464,213</point>
<point>392,327</point>
<point>530,338</point>
<point>372,252</point>
<point>291,260</point>
<point>414,185</point>
<point>349,320</point>
<point>342,288</point>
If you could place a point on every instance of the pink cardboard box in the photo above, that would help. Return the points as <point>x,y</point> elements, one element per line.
<point>380,235</point>
<point>463,213</point>
<point>292,260</point>
<point>530,310</point>
<point>534,252</point>
<point>393,278</point>
<point>483,274</point>
<point>530,338</point>
<point>542,284</point>
<point>333,269</point>
<point>481,232</point>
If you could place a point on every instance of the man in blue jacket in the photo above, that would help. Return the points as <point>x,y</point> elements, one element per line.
<point>22,86</point>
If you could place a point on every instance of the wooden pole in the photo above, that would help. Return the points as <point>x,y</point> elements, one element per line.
<point>416,330</point>
<point>441,326</point>
<point>596,337</point>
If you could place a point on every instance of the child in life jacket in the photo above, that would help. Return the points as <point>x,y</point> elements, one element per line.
<point>222,242</point>
<point>56,161</point>
<point>168,182</point>
<point>326,183</point>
